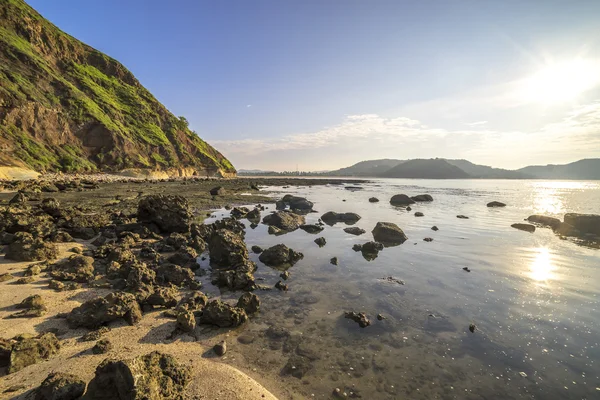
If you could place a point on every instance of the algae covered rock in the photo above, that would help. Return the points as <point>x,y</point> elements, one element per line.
<point>97,312</point>
<point>388,233</point>
<point>25,350</point>
<point>286,221</point>
<point>170,213</point>
<point>223,315</point>
<point>60,386</point>
<point>280,255</point>
<point>27,248</point>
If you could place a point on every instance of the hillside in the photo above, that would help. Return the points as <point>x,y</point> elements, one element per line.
<point>65,106</point>
<point>485,172</point>
<point>426,169</point>
<point>582,169</point>
<point>367,168</point>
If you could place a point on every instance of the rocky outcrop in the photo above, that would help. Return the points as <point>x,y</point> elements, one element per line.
<point>97,312</point>
<point>422,198</point>
<point>223,315</point>
<point>24,350</point>
<point>331,218</point>
<point>280,255</point>
<point>76,268</point>
<point>27,248</point>
<point>60,386</point>
<point>169,213</point>
<point>388,233</point>
<point>249,302</point>
<point>524,227</point>
<point>296,203</point>
<point>584,223</point>
<point>401,200</point>
<point>286,221</point>
<point>154,376</point>
<point>544,220</point>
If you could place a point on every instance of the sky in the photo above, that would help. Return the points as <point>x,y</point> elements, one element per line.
<point>319,85</point>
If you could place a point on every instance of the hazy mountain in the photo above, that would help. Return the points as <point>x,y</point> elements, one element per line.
<point>582,169</point>
<point>367,168</point>
<point>437,168</point>
<point>485,172</point>
<point>67,106</point>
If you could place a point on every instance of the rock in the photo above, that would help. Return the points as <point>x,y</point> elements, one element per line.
<point>466,269</point>
<point>472,328</point>
<point>56,285</point>
<point>220,348</point>
<point>408,208</point>
<point>401,200</point>
<point>428,239</point>
<point>35,302</point>
<point>320,241</point>
<point>380,317</point>
<point>273,230</point>
<point>585,223</point>
<point>373,200</point>
<point>284,275</point>
<point>355,231</point>
<point>25,350</point>
<point>286,221</point>
<point>422,197</point>
<point>280,255</point>
<point>256,249</point>
<point>543,220</point>
<point>334,261</point>
<point>24,281</point>
<point>331,218</point>
<point>297,366</point>
<point>6,277</point>
<point>419,214</point>
<point>281,286</point>
<point>239,212</point>
<point>28,313</point>
<point>223,315</point>
<point>186,321</point>
<point>391,279</point>
<point>174,274</point>
<point>27,248</point>
<point>297,203</point>
<point>357,247</point>
<point>195,301</point>
<point>360,318</point>
<point>253,215</point>
<point>19,198</point>
<point>435,228</point>
<point>227,248</point>
<point>163,297</point>
<point>76,268</point>
<point>97,312</point>
<point>102,346</point>
<point>249,302</point>
<point>370,250</point>
<point>218,191</point>
<point>169,213</point>
<point>388,233</point>
<point>353,188</point>
<point>496,204</point>
<point>60,386</point>
<point>311,228</point>
<point>184,256</point>
<point>462,217</point>
<point>95,335</point>
<point>239,277</point>
<point>154,376</point>
<point>524,227</point>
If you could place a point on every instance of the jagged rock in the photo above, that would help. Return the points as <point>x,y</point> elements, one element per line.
<point>249,302</point>
<point>401,200</point>
<point>273,230</point>
<point>585,223</point>
<point>496,204</point>
<point>60,386</point>
<point>95,335</point>
<point>286,221</point>
<point>311,228</point>
<point>281,286</point>
<point>174,274</point>
<point>227,248</point>
<point>97,312</point>
<point>256,249</point>
<point>388,233</point>
<point>154,376</point>
<point>357,247</point>
<point>25,280</point>
<point>239,212</point>
<point>422,198</point>
<point>27,248</point>
<point>543,220</point>
<point>220,348</point>
<point>186,321</point>
<point>297,203</point>
<point>26,350</point>
<point>195,301</point>
<point>184,256</point>
<point>222,314</point>
<point>102,346</point>
<point>19,198</point>
<point>334,261</point>
<point>163,297</point>
<point>285,275</point>
<point>33,270</point>
<point>280,255</point>
<point>370,250</point>
<point>35,301</point>
<point>524,227</point>
<point>331,218</point>
<point>76,268</point>
<point>428,239</point>
<point>320,241</point>
<point>6,277</point>
<point>373,200</point>
<point>236,278</point>
<point>355,230</point>
<point>61,237</point>
<point>360,318</point>
<point>169,213</point>
<point>218,191</point>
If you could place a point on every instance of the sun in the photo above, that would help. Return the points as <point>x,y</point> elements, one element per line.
<point>561,81</point>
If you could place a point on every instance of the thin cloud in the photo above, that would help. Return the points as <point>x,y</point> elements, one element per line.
<point>477,123</point>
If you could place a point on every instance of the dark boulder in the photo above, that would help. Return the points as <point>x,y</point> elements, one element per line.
<point>27,248</point>
<point>373,200</point>
<point>320,241</point>
<point>311,228</point>
<point>24,350</point>
<point>60,386</point>
<point>218,191</point>
<point>286,221</point>
<point>280,255</point>
<point>401,200</point>
<point>297,203</point>
<point>543,220</point>
<point>496,204</point>
<point>388,233</point>
<point>524,227</point>
<point>169,213</point>
<point>249,302</point>
<point>238,277</point>
<point>223,315</point>
<point>419,214</point>
<point>585,223</point>
<point>174,274</point>
<point>154,376</point>
<point>102,346</point>
<point>369,250</point>
<point>97,312</point>
<point>256,249</point>
<point>227,248</point>
<point>76,268</point>
<point>331,218</point>
<point>186,321</point>
<point>422,198</point>
<point>354,230</point>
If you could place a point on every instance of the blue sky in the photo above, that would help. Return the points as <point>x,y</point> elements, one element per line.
<point>325,84</point>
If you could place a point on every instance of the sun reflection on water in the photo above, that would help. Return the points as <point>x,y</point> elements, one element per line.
<point>542,267</point>
<point>548,201</point>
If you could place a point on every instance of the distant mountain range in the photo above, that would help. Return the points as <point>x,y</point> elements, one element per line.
<point>440,168</point>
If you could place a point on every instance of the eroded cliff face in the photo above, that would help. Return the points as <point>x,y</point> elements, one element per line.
<point>65,106</point>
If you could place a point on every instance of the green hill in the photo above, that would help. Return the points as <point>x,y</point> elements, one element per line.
<point>65,106</point>
<point>437,168</point>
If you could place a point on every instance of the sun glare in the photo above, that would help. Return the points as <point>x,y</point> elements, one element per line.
<point>561,82</point>
<point>541,266</point>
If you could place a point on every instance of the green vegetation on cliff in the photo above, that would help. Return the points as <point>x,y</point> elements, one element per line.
<point>66,106</point>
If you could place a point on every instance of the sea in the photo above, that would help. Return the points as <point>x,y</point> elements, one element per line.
<point>533,298</point>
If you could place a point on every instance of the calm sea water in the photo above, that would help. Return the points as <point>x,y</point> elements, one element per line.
<point>533,297</point>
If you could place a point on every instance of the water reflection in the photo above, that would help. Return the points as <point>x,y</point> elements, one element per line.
<point>548,201</point>
<point>542,267</point>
